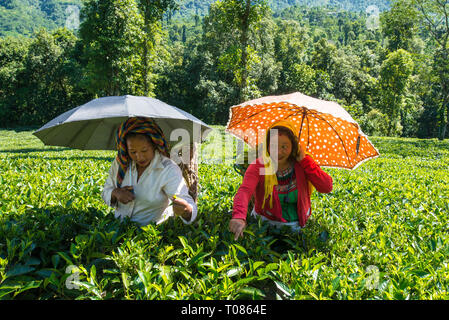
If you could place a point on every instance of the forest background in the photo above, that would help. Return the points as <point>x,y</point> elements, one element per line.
<point>386,62</point>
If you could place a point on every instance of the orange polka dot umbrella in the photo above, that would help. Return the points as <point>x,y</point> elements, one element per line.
<point>327,130</point>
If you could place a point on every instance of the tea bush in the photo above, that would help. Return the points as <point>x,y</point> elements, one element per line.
<point>382,233</point>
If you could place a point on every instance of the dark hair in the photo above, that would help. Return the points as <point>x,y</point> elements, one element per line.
<point>135,134</point>
<point>293,139</point>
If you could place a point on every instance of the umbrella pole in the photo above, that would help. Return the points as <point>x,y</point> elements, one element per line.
<point>190,171</point>
<point>302,121</point>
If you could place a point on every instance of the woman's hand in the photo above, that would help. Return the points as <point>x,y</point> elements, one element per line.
<point>237,226</point>
<point>301,153</point>
<point>123,195</point>
<point>182,208</point>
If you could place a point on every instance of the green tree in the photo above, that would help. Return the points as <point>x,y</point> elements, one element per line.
<point>301,77</point>
<point>205,76</point>
<point>264,77</point>
<point>235,20</point>
<point>291,41</point>
<point>49,81</point>
<point>434,15</point>
<point>43,78</point>
<point>400,25</point>
<point>394,82</point>
<point>13,53</point>
<point>111,33</point>
<point>152,12</point>
<point>323,53</point>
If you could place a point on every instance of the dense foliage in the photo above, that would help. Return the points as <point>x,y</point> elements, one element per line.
<point>23,17</point>
<point>382,233</point>
<point>389,69</point>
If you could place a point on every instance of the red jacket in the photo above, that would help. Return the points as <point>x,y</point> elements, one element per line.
<point>253,184</point>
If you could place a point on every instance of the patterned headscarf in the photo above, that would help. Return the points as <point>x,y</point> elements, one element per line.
<point>142,125</point>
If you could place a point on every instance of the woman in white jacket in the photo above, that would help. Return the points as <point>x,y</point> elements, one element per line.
<point>143,183</point>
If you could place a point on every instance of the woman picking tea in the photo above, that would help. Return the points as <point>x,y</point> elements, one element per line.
<point>144,184</point>
<point>282,196</point>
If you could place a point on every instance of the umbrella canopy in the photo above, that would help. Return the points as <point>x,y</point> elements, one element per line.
<point>92,126</point>
<point>330,134</point>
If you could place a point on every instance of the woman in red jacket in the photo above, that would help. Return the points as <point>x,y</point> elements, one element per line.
<point>282,196</point>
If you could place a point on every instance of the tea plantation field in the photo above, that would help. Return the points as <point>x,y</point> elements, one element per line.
<point>383,232</point>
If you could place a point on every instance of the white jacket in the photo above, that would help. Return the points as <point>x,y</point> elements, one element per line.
<point>158,183</point>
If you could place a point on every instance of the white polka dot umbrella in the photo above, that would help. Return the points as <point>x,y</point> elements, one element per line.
<point>327,130</point>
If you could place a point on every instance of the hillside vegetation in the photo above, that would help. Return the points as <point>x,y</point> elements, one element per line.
<point>23,17</point>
